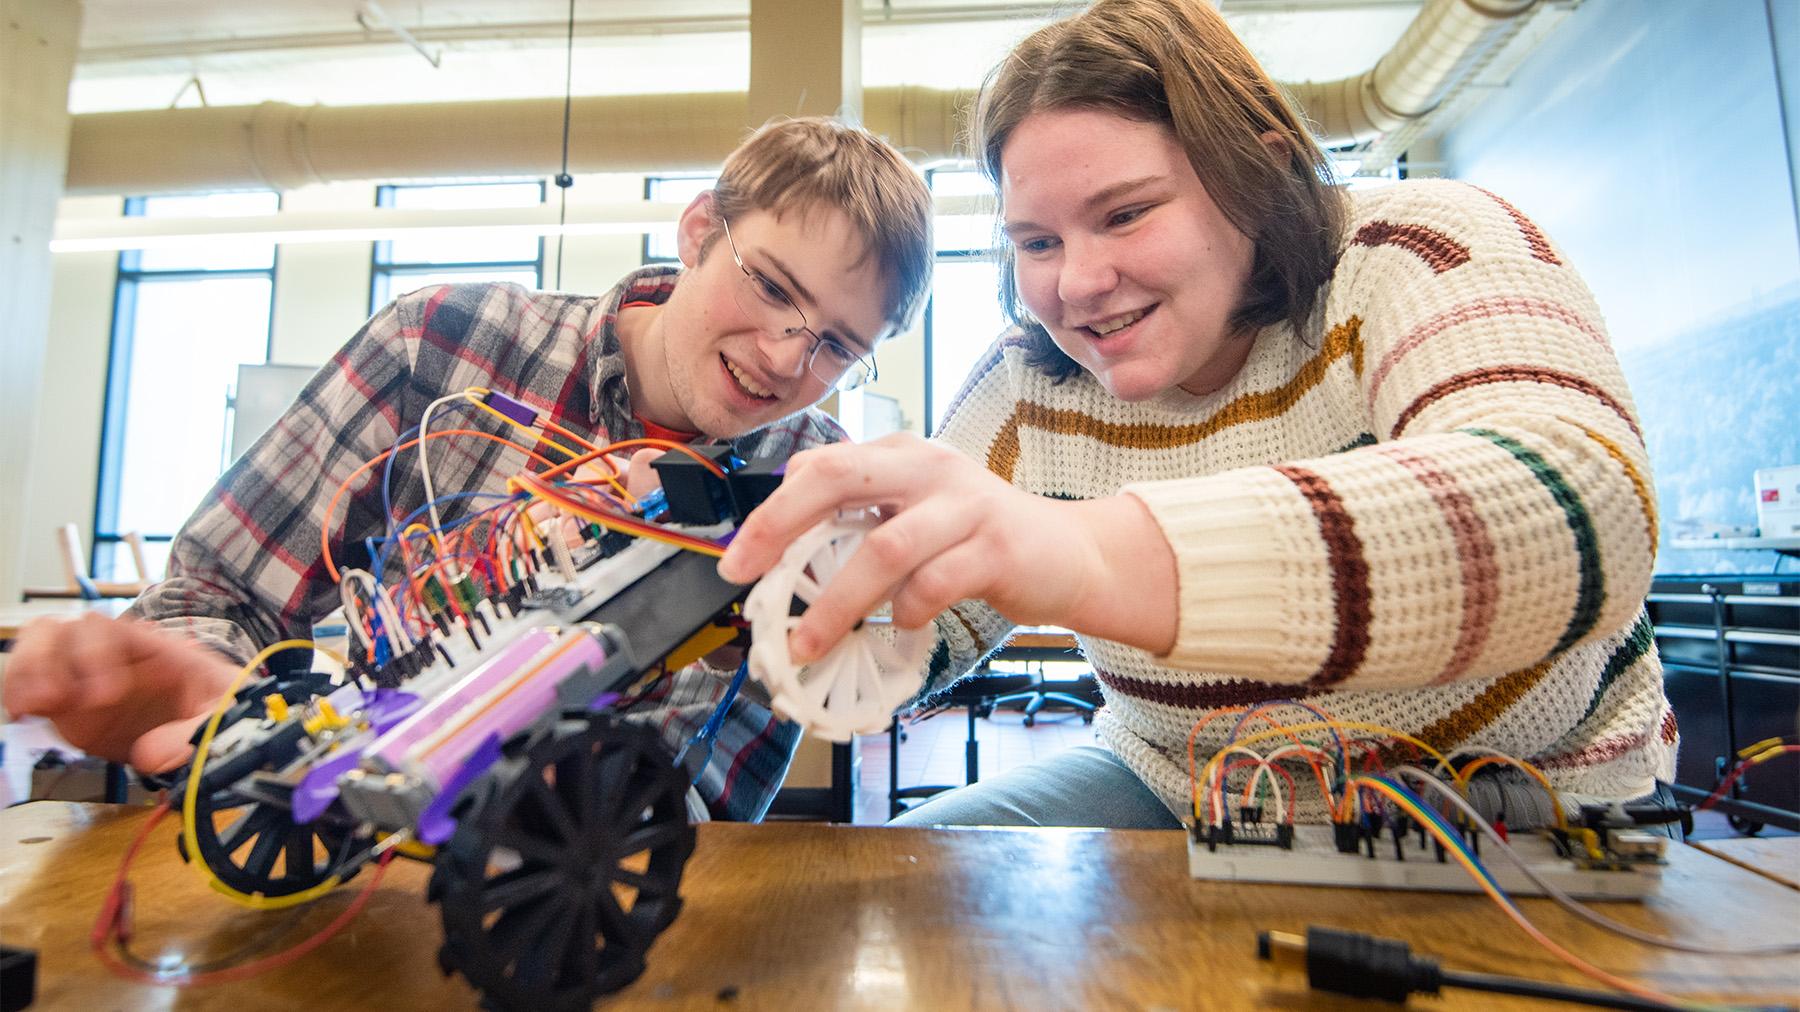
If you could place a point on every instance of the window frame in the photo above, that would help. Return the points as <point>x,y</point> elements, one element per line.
<point>383,269</point>
<point>942,256</point>
<point>128,277</point>
<point>650,182</point>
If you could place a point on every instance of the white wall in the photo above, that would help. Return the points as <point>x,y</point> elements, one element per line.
<point>65,457</point>
<point>1648,141</point>
<point>37,56</point>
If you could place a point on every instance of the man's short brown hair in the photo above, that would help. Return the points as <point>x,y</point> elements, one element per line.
<point>812,162</point>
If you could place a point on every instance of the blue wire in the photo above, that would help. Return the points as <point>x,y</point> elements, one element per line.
<point>1450,832</point>
<point>387,476</point>
<point>380,560</point>
<point>709,732</point>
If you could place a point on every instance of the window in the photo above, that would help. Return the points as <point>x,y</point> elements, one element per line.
<point>184,319</point>
<point>963,317</point>
<point>403,265</point>
<point>659,245</point>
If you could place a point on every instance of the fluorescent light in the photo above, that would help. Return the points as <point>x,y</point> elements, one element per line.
<point>94,235</point>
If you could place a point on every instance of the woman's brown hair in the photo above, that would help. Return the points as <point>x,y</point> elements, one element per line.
<point>1177,63</point>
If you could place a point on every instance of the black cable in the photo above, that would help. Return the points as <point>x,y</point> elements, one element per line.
<point>1364,966</point>
<point>1498,984</point>
<point>563,179</point>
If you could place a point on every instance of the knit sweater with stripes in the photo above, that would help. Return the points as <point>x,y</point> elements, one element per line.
<point>1432,511</point>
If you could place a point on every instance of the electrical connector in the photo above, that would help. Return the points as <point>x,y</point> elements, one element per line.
<point>1352,963</point>
<point>1364,966</point>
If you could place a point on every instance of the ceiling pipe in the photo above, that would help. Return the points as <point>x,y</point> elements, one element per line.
<point>1441,47</point>
<point>282,146</point>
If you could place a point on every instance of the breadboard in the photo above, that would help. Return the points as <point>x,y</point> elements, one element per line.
<point>1315,860</point>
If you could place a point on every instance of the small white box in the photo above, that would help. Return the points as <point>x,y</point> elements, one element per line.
<point>1778,501</point>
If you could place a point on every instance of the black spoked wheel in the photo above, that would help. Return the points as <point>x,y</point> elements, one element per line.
<point>253,844</point>
<point>560,877</point>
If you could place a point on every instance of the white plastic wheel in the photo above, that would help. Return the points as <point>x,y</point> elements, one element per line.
<point>855,688</point>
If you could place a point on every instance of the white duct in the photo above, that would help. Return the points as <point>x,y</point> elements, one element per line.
<point>282,146</point>
<point>1447,40</point>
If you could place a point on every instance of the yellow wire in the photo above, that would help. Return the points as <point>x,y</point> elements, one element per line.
<point>646,530</point>
<point>189,827</point>
<point>515,423</point>
<point>432,535</point>
<point>1457,850</point>
<point>1462,781</point>
<point>1287,730</point>
<point>474,395</point>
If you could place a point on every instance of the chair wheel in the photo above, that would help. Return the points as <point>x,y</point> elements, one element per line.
<point>1030,720</point>
<point>1748,827</point>
<point>1087,717</point>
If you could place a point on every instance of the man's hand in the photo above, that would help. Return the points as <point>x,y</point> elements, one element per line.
<point>119,689</point>
<point>954,531</point>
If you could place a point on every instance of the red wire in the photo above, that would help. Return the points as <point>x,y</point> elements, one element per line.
<point>1738,771</point>
<point>107,923</point>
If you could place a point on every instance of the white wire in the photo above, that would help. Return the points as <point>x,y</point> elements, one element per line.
<point>1219,790</point>
<point>1322,757</point>
<point>1572,904</point>
<point>352,613</point>
<point>437,524</point>
<point>392,627</point>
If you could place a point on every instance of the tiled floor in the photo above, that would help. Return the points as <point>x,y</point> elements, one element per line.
<point>933,752</point>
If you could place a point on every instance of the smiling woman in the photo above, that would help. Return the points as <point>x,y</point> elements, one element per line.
<point>1121,256</point>
<point>1372,451</point>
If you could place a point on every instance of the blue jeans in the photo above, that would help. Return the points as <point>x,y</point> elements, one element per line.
<point>1082,786</point>
<point>1089,787</point>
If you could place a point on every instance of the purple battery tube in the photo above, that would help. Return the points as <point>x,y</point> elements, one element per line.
<point>505,709</point>
<point>386,753</point>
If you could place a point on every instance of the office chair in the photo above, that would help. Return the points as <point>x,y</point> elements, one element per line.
<point>977,692</point>
<point>1081,693</point>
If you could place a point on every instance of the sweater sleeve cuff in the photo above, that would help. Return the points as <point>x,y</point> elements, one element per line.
<point>1233,595</point>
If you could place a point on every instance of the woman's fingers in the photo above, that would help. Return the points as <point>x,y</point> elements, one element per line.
<point>961,572</point>
<point>887,557</point>
<point>818,484</point>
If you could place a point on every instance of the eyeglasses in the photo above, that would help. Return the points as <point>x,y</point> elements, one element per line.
<point>832,361</point>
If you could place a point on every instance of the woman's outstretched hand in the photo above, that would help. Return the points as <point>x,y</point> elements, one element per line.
<point>953,531</point>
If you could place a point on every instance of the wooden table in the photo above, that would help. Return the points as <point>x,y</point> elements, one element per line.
<point>794,915</point>
<point>1773,857</point>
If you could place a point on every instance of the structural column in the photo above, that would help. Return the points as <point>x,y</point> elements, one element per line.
<point>805,59</point>
<point>37,60</point>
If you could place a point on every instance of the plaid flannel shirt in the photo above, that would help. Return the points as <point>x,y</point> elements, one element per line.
<point>246,569</point>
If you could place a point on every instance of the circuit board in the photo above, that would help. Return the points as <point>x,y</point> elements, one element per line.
<point>1412,863</point>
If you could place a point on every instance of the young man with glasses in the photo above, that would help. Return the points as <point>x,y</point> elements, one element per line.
<point>813,247</point>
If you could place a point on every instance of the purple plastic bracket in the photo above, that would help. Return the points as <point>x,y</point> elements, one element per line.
<point>387,707</point>
<point>435,823</point>
<point>511,408</point>
<point>319,788</point>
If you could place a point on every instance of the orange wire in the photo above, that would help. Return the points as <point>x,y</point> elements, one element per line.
<point>1194,733</point>
<point>331,507</point>
<point>625,444</point>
